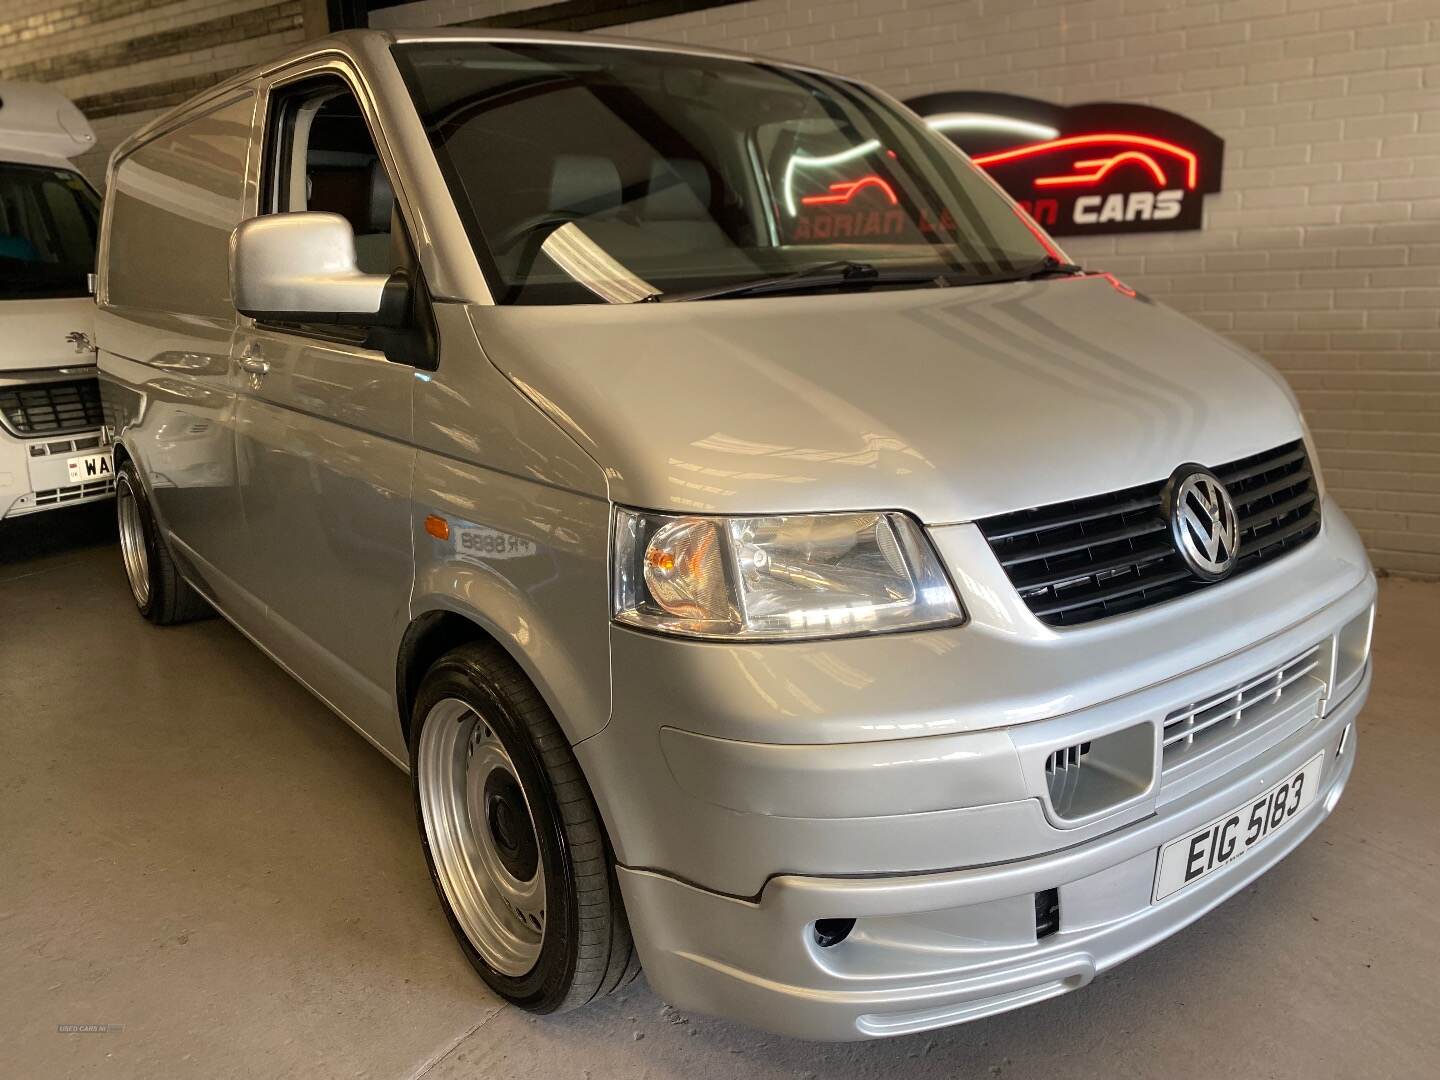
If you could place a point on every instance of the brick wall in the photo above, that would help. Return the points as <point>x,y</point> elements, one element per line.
<point>1322,252</point>
<point>124,61</point>
<point>447,12</point>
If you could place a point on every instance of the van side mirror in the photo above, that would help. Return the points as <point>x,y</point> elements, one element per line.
<point>300,267</point>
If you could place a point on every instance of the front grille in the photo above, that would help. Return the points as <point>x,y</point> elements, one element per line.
<point>1095,776</point>
<point>1078,561</point>
<point>1202,726</point>
<point>51,408</point>
<point>64,446</point>
<point>1061,761</point>
<point>1062,776</point>
<point>74,493</point>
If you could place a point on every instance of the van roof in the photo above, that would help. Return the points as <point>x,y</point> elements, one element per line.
<point>41,126</point>
<point>358,45</point>
<point>452,33</point>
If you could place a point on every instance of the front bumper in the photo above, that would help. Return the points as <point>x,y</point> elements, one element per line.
<point>904,781</point>
<point>34,476</point>
<point>930,950</point>
<point>34,468</point>
<point>725,766</point>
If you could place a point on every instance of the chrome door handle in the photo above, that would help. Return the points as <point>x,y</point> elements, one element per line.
<point>254,365</point>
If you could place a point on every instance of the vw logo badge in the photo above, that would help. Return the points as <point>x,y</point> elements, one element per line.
<point>1203,522</point>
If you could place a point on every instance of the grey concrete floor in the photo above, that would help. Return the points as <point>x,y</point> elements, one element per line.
<point>193,849</point>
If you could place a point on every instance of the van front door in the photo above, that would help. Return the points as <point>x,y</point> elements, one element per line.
<point>323,429</point>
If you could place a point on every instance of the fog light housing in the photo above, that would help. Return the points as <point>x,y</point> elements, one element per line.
<point>1352,653</point>
<point>1047,913</point>
<point>831,932</point>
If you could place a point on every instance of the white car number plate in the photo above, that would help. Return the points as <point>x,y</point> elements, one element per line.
<point>1219,843</point>
<point>89,468</point>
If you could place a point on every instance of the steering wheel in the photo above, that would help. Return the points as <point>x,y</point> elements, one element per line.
<point>525,226</point>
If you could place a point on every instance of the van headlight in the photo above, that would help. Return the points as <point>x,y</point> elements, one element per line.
<point>792,576</point>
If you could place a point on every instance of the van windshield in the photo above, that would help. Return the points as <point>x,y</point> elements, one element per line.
<point>696,173</point>
<point>48,222</point>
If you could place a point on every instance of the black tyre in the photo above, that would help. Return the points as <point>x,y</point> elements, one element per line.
<point>512,838</point>
<point>161,594</point>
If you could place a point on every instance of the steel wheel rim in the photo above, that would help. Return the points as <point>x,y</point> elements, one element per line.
<point>132,541</point>
<point>482,835</point>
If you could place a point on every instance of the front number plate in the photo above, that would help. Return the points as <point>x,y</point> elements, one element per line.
<point>1185,861</point>
<point>90,468</point>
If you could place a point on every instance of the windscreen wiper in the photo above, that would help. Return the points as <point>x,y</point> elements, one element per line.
<point>1049,266</point>
<point>836,272</point>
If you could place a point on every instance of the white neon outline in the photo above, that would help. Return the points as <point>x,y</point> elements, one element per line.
<point>990,122</point>
<point>812,162</point>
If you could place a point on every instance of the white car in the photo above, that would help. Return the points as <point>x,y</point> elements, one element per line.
<point>52,449</point>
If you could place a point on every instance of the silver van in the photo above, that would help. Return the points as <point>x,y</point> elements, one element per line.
<point>774,562</point>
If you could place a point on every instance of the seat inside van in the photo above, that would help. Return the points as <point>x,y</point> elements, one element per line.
<point>670,208</point>
<point>336,168</point>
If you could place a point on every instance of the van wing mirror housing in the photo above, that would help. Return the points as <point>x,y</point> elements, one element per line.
<point>300,267</point>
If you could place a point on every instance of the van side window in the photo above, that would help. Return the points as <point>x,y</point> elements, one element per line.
<point>320,156</point>
<point>176,199</point>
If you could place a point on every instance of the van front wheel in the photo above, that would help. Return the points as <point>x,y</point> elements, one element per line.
<point>161,594</point>
<point>513,841</point>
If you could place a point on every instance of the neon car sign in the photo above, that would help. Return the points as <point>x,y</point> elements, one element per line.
<point>1085,169</point>
<point>840,194</point>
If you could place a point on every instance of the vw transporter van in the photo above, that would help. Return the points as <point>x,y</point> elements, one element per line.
<point>773,560</point>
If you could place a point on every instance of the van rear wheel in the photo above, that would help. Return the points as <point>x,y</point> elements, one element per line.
<point>161,594</point>
<point>511,836</point>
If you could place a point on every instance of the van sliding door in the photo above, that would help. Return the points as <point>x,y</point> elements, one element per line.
<point>166,326</point>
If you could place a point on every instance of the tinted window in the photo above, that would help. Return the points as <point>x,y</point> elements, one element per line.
<point>175,202</point>
<point>691,171</point>
<point>48,222</point>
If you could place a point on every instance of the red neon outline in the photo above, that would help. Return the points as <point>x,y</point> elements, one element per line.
<point>1106,166</point>
<point>844,191</point>
<point>1192,162</point>
<point>1105,275</point>
<point>1039,234</point>
<point>1118,285</point>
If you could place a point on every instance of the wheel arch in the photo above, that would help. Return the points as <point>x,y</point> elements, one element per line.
<point>439,629</point>
<point>122,454</point>
<point>429,636</point>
